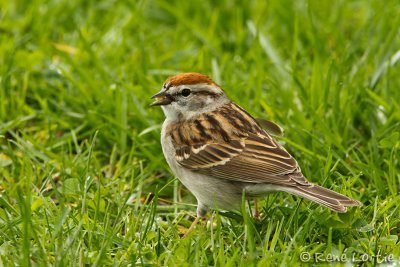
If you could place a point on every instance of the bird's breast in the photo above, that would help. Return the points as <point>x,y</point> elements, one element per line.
<point>209,191</point>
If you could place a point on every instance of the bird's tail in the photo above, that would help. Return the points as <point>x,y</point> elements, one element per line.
<point>325,197</point>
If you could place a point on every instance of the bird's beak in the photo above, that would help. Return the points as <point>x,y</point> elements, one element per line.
<point>162,98</point>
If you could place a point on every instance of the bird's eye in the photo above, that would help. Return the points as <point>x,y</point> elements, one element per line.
<point>186,92</point>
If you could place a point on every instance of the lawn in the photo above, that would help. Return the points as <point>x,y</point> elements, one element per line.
<point>83,180</point>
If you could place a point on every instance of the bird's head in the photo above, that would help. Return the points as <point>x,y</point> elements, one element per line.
<point>188,95</point>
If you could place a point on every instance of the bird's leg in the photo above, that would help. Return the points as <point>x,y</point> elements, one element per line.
<point>201,212</point>
<point>256,213</point>
<point>191,227</point>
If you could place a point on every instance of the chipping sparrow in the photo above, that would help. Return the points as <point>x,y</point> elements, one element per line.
<point>218,150</point>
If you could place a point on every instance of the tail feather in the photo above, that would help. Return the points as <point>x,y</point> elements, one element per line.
<point>325,197</point>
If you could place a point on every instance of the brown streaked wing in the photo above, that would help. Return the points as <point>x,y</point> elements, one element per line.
<point>209,155</point>
<point>252,159</point>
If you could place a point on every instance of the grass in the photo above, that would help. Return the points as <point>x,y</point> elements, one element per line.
<point>82,177</point>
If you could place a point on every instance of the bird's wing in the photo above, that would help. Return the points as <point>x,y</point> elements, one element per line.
<point>254,159</point>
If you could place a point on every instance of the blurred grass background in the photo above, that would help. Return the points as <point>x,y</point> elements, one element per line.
<point>80,151</point>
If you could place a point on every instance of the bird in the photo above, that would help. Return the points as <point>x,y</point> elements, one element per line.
<point>220,152</point>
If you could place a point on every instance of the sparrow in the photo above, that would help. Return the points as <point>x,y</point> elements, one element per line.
<point>220,152</point>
